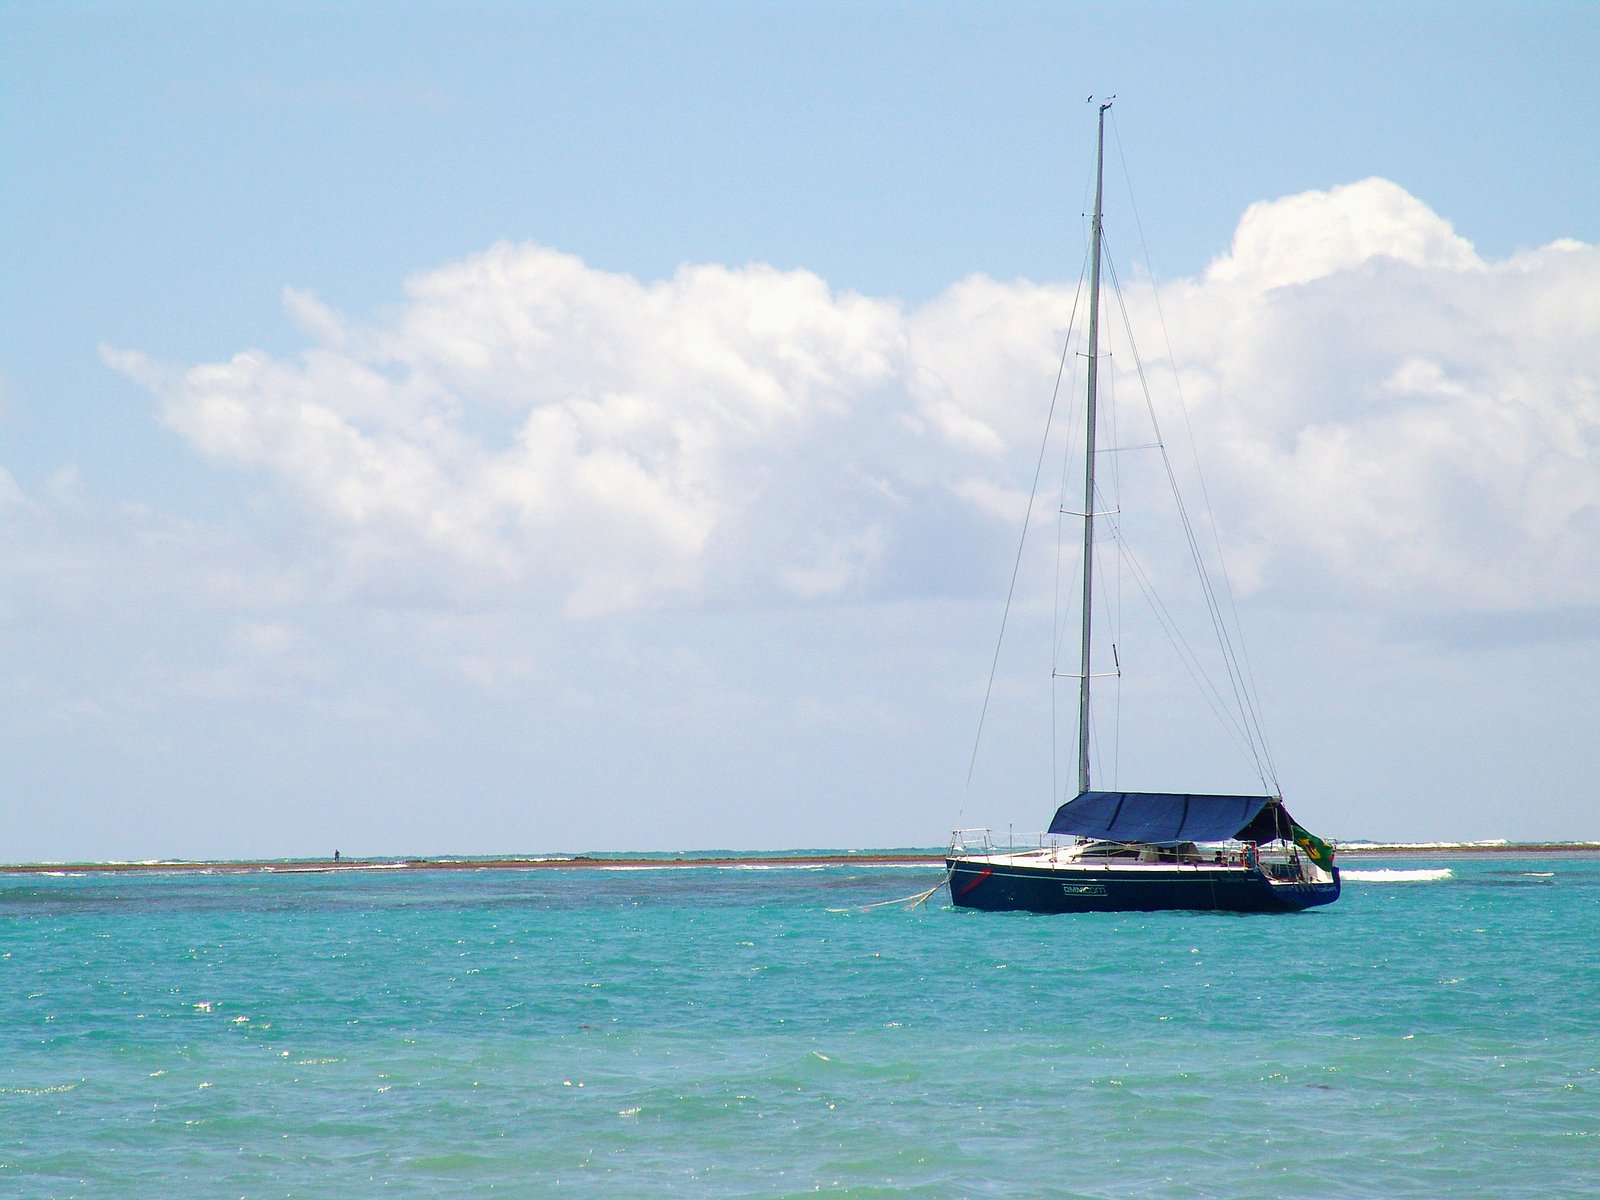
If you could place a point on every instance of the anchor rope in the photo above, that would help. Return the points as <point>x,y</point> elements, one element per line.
<point>915,900</point>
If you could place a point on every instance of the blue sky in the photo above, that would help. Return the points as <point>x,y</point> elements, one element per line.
<point>229,631</point>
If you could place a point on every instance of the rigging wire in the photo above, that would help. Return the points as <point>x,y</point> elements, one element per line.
<point>1250,688</point>
<point>1220,626</point>
<point>1190,658</point>
<point>1022,540</point>
<point>1070,452</point>
<point>1242,718</point>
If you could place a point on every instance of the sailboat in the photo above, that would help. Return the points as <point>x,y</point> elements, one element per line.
<point>1122,851</point>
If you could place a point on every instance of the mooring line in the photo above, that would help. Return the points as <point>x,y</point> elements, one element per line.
<point>911,901</point>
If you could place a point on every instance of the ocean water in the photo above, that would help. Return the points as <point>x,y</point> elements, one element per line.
<point>723,1033</point>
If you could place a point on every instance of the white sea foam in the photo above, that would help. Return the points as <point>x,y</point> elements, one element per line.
<point>1431,875</point>
<point>661,866</point>
<point>773,866</point>
<point>674,865</point>
<point>144,862</point>
<point>932,864</point>
<point>328,868</point>
<point>1364,845</point>
<point>700,865</point>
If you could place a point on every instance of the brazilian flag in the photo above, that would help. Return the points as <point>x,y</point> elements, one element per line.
<point>1318,850</point>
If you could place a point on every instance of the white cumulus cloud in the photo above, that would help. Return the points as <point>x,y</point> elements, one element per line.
<point>1315,234</point>
<point>531,418</point>
<point>1403,423</point>
<point>1385,418</point>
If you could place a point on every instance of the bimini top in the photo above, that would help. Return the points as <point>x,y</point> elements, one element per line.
<point>1173,817</point>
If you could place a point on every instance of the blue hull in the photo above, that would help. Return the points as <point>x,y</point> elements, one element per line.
<point>976,883</point>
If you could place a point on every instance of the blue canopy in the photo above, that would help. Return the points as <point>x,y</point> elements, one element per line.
<point>1172,817</point>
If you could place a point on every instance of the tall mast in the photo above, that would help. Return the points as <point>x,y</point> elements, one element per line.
<point>1088,455</point>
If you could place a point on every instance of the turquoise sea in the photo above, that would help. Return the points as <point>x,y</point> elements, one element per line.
<point>720,1032</point>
